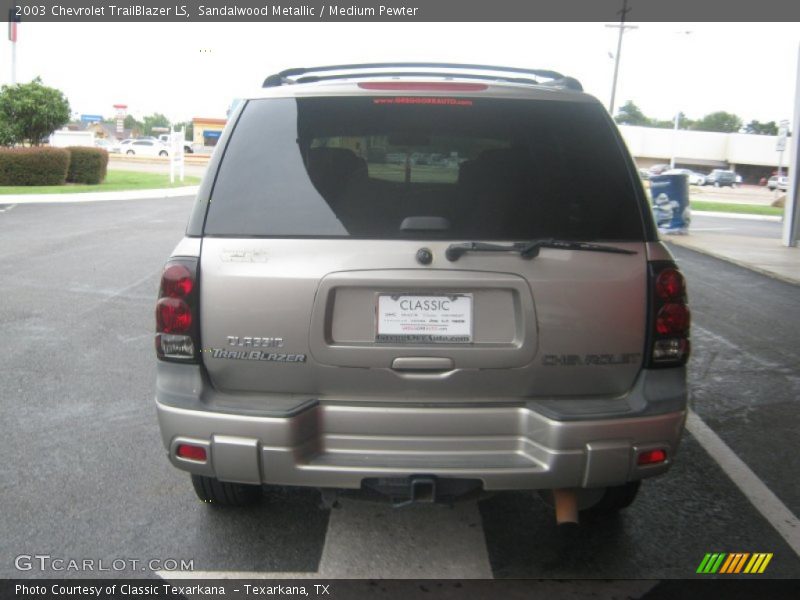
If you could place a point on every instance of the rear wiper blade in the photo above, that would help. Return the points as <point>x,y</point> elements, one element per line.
<point>529,249</point>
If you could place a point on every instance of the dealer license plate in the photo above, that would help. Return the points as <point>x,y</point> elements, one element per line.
<point>410,318</point>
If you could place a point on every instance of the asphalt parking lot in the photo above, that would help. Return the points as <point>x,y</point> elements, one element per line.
<point>85,475</point>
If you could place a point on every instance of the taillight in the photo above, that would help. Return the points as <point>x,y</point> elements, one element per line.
<point>177,310</point>
<point>669,317</point>
<point>191,452</point>
<point>651,457</point>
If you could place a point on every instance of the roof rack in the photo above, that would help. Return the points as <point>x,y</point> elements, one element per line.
<point>541,77</point>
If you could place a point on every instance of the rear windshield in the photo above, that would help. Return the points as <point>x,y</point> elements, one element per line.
<point>438,168</point>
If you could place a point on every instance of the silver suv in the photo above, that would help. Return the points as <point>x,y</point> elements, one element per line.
<point>393,279</point>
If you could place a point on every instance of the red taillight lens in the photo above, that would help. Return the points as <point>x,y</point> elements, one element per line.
<point>191,452</point>
<point>651,457</point>
<point>669,319</point>
<point>173,315</point>
<point>673,319</point>
<point>176,281</point>
<point>670,285</point>
<point>177,333</point>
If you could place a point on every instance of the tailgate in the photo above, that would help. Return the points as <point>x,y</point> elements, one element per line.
<point>362,319</point>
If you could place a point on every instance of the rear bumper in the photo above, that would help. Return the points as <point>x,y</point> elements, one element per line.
<point>338,444</point>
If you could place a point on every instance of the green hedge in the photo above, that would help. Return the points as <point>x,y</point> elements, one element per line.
<point>33,166</point>
<point>87,165</point>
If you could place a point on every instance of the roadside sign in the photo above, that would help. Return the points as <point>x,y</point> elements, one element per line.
<point>91,118</point>
<point>177,159</point>
<point>783,133</point>
<point>121,112</point>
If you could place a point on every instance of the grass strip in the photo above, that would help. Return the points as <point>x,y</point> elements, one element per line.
<point>116,181</point>
<point>747,209</point>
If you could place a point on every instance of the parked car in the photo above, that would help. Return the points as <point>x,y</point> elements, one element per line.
<point>693,177</point>
<point>145,147</point>
<point>721,177</point>
<point>425,331</point>
<point>164,138</point>
<point>105,144</point>
<point>779,183</point>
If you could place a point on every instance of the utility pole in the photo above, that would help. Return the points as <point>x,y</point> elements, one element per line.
<point>13,23</point>
<point>622,27</point>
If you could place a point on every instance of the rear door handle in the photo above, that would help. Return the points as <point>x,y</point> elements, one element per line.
<point>422,363</point>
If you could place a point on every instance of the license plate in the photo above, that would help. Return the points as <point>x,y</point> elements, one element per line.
<point>409,318</point>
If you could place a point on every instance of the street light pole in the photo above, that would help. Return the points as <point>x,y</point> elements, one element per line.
<point>677,121</point>
<point>622,27</point>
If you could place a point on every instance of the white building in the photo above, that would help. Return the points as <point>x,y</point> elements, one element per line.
<point>752,156</point>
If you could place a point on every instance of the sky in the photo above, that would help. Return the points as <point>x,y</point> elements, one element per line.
<point>186,70</point>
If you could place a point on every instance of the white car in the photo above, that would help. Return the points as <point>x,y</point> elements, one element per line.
<point>694,178</point>
<point>106,145</point>
<point>144,147</point>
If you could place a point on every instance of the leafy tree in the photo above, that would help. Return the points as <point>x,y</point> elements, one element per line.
<point>154,120</point>
<point>6,134</point>
<point>683,122</point>
<point>29,112</point>
<point>758,128</point>
<point>719,121</point>
<point>131,123</point>
<point>630,114</point>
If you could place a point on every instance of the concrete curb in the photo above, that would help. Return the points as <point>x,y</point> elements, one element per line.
<point>98,196</point>
<point>728,259</point>
<point>725,215</point>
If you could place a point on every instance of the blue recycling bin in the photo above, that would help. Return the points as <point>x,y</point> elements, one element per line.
<point>670,198</point>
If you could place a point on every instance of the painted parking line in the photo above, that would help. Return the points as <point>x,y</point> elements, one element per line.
<point>421,541</point>
<point>418,541</point>
<point>759,495</point>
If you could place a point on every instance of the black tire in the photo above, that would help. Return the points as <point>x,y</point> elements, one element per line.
<point>163,153</point>
<point>222,493</point>
<point>614,500</point>
<point>130,153</point>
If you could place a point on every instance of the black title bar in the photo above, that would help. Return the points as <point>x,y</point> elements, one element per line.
<point>400,10</point>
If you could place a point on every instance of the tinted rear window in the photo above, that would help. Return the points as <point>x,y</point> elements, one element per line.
<point>365,167</point>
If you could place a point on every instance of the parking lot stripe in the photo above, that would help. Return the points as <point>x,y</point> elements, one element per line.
<point>418,541</point>
<point>764,500</point>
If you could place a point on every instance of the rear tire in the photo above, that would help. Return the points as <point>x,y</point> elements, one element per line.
<point>614,500</point>
<point>162,153</point>
<point>222,493</point>
<point>130,153</point>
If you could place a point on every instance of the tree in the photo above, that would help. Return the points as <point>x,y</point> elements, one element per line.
<point>630,114</point>
<point>757,128</point>
<point>131,123</point>
<point>718,121</point>
<point>29,112</point>
<point>683,122</point>
<point>154,120</point>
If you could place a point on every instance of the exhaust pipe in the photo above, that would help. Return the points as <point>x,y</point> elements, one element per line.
<point>566,501</point>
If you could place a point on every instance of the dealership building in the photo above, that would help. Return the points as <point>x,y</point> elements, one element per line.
<point>751,156</point>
